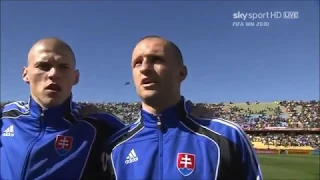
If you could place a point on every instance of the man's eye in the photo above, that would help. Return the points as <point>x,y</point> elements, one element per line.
<point>44,66</point>
<point>137,63</point>
<point>155,58</point>
<point>63,66</point>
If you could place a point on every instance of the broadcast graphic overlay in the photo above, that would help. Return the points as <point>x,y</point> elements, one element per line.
<point>261,19</point>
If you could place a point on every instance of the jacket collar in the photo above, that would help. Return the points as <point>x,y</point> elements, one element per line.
<point>57,111</point>
<point>170,117</point>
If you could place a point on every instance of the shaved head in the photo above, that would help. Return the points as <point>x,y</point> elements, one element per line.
<point>175,49</point>
<point>50,44</point>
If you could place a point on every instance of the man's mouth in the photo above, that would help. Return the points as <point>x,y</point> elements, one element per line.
<point>54,87</point>
<point>147,81</point>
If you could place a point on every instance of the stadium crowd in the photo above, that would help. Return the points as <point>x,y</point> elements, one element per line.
<point>285,114</point>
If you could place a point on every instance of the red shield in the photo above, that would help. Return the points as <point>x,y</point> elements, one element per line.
<point>63,144</point>
<point>186,163</point>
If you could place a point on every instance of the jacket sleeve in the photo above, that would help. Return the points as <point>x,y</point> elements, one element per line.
<point>113,122</point>
<point>249,159</point>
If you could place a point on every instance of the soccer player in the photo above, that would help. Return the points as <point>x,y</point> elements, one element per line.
<point>46,137</point>
<point>167,141</point>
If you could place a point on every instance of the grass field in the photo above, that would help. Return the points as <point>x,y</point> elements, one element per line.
<point>290,167</point>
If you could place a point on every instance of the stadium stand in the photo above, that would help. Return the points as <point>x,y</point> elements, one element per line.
<point>280,127</point>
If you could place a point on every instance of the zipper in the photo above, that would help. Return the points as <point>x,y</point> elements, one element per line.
<point>159,124</point>
<point>31,145</point>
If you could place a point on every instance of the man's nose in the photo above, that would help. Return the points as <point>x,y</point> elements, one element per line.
<point>54,73</point>
<point>146,66</point>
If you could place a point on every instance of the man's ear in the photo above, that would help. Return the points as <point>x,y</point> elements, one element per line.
<point>183,73</point>
<point>25,76</point>
<point>76,80</point>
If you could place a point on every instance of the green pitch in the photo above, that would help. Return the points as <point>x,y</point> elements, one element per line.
<point>290,167</point>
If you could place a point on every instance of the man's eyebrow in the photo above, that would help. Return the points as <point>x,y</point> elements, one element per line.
<point>43,60</point>
<point>149,56</point>
<point>154,55</point>
<point>48,61</point>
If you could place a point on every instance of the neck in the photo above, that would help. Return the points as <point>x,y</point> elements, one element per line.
<point>37,100</point>
<point>47,106</point>
<point>159,106</point>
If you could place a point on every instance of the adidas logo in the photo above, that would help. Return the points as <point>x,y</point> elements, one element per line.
<point>132,157</point>
<point>8,132</point>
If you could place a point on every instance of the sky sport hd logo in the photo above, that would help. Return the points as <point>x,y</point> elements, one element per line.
<point>243,19</point>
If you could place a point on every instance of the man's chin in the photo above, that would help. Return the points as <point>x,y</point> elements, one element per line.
<point>52,102</point>
<point>150,96</point>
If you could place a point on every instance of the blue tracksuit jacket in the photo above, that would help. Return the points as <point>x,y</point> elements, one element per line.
<point>52,143</point>
<point>176,145</point>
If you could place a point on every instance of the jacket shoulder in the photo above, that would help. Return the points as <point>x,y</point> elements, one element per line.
<point>21,106</point>
<point>106,123</point>
<point>235,134</point>
<point>107,118</point>
<point>14,109</point>
<point>97,117</point>
<point>124,134</point>
<point>225,128</point>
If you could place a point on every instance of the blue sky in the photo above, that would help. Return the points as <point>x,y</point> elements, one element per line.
<point>225,62</point>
